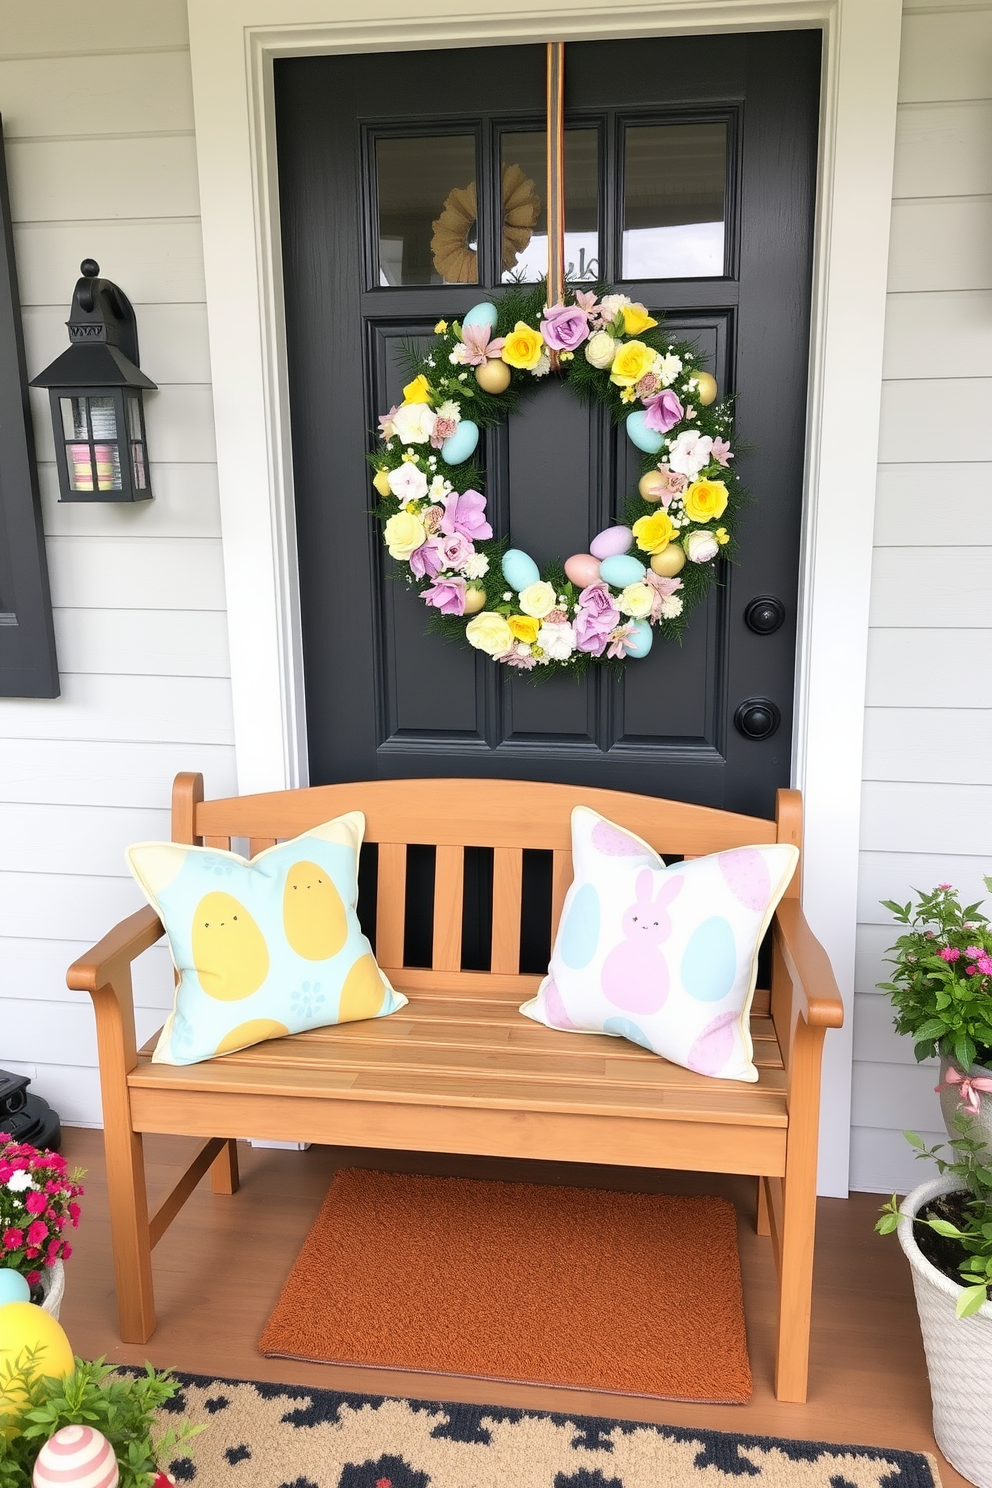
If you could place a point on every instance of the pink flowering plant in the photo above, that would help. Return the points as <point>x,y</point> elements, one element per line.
<point>38,1202</point>
<point>942,983</point>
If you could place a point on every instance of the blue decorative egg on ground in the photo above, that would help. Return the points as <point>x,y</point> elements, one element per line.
<point>458,446</point>
<point>519,569</point>
<point>648,440</point>
<point>622,570</point>
<point>481,315</point>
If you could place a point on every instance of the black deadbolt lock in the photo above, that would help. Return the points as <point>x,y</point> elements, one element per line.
<point>764,614</point>
<point>757,718</point>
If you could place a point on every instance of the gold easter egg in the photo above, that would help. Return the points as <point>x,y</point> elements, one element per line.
<point>25,1327</point>
<point>493,376</point>
<point>670,562</point>
<point>313,914</point>
<point>363,992</point>
<point>475,599</point>
<point>706,388</point>
<point>252,1032</point>
<point>229,950</point>
<point>652,486</point>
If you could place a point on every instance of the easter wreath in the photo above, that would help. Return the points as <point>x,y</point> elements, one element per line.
<point>606,604</point>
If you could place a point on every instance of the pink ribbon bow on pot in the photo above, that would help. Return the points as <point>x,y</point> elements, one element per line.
<point>967,1087</point>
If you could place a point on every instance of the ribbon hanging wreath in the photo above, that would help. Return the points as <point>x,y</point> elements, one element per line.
<point>641,576</point>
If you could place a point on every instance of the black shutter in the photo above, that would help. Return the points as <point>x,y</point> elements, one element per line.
<point>28,667</point>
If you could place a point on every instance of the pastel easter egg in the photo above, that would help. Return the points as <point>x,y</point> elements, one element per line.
<point>552,1005</point>
<point>364,991</point>
<point>706,388</point>
<point>648,440</point>
<point>458,446</point>
<point>611,541</point>
<point>640,641</point>
<point>652,486</point>
<point>746,875</point>
<point>493,376</point>
<point>580,933</point>
<point>13,1286</point>
<point>475,599</point>
<point>670,562</point>
<point>484,314</point>
<point>519,569</point>
<point>709,961</point>
<point>255,1031</point>
<point>229,950</point>
<point>582,569</point>
<point>622,570</point>
<point>624,1028</point>
<point>26,1329</point>
<point>713,1048</point>
<point>313,913</point>
<point>76,1457</point>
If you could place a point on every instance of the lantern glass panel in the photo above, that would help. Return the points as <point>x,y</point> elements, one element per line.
<point>79,460</point>
<point>74,424</point>
<point>134,429</point>
<point>103,418</point>
<point>108,466</point>
<point>138,466</point>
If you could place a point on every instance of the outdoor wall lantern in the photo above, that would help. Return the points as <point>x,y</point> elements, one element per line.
<point>95,389</point>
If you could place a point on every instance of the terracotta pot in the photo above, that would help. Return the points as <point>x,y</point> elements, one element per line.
<point>951,1103</point>
<point>958,1350</point>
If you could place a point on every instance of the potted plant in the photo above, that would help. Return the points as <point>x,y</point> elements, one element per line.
<point>38,1198</point>
<point>942,992</point>
<point>945,1229</point>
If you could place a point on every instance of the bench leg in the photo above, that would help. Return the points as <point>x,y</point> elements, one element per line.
<point>224,1176</point>
<point>763,1221</point>
<point>129,1233</point>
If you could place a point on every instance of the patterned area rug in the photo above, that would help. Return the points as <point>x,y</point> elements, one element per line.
<point>289,1436</point>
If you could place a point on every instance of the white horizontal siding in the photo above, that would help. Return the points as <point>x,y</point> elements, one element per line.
<point>108,171</point>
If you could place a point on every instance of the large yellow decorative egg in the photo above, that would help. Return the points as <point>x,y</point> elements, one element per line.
<point>229,950</point>
<point>652,486</point>
<point>706,388</point>
<point>313,914</point>
<point>493,376</point>
<point>670,562</point>
<point>475,599</point>
<point>363,992</point>
<point>24,1329</point>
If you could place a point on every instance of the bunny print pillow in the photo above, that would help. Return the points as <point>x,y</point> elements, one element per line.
<point>666,957</point>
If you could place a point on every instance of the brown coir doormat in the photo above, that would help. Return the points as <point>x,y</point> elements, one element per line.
<point>635,1293</point>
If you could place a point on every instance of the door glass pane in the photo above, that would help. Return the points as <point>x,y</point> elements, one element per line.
<point>103,418</point>
<point>426,207</point>
<point>74,418</point>
<point>525,222</point>
<point>674,190</point>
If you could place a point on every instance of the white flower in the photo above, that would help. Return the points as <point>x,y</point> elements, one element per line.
<point>476,567</point>
<point>542,367</point>
<point>556,641</point>
<point>408,483</point>
<point>671,607</point>
<point>414,423</point>
<point>537,599</point>
<point>690,452</point>
<point>669,368</point>
<point>439,488</point>
<point>460,355</point>
<point>701,547</point>
<point>19,1181</point>
<point>610,306</point>
<point>636,601</point>
<point>601,348</point>
<point>449,409</point>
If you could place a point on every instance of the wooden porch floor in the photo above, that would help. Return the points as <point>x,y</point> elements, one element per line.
<point>219,1269</point>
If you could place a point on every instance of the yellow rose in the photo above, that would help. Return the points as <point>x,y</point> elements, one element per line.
<point>403,533</point>
<point>705,500</point>
<point>524,628</point>
<point>631,362</point>
<point>417,391</point>
<point>489,632</point>
<point>523,347</point>
<point>381,482</point>
<point>654,532</point>
<point>636,601</point>
<point>636,319</point>
<point>538,599</point>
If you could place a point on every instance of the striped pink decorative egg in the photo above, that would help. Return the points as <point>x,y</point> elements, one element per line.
<point>76,1457</point>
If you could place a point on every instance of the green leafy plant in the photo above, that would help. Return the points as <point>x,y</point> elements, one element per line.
<point>974,1232</point>
<point>123,1407</point>
<point>942,984</point>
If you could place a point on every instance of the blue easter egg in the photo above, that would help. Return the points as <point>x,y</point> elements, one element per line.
<point>458,446</point>
<point>580,932</point>
<point>641,640</point>
<point>481,315</point>
<point>13,1286</point>
<point>623,1028</point>
<point>709,961</point>
<point>621,571</point>
<point>519,569</point>
<point>648,440</point>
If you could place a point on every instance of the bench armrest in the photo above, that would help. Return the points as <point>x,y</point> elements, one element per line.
<point>117,949</point>
<point>809,967</point>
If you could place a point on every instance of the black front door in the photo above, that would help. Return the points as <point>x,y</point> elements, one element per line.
<point>690,167</point>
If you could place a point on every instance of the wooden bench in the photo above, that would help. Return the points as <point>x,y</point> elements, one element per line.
<point>459,1070</point>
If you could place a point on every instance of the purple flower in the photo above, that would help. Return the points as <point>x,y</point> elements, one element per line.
<point>456,549</point>
<point>595,617</point>
<point>565,327</point>
<point>663,412</point>
<point>427,561</point>
<point>949,953</point>
<point>464,512</point>
<point>446,595</point>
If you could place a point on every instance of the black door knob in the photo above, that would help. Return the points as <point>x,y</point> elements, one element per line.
<point>764,614</point>
<point>757,718</point>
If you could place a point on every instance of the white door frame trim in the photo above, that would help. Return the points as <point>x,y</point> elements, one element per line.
<point>233,44</point>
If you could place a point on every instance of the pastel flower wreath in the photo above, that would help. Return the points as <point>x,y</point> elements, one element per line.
<point>641,576</point>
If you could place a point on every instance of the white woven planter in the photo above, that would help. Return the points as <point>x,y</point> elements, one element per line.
<point>53,1285</point>
<point>959,1352</point>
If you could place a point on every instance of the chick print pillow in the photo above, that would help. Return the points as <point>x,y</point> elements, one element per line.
<point>666,957</point>
<point>264,948</point>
